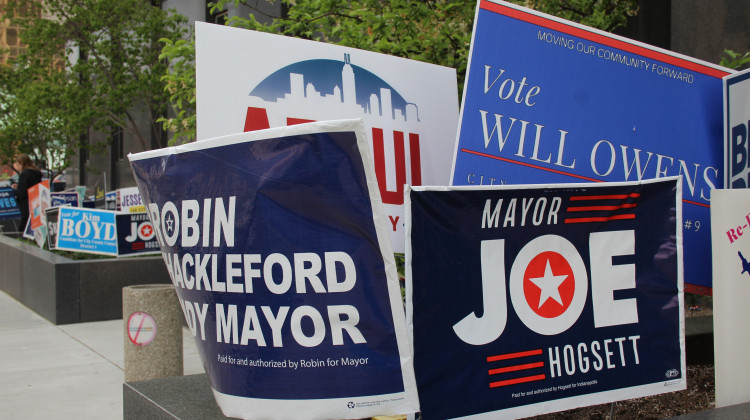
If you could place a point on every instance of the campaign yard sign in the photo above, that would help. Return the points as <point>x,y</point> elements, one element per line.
<point>533,299</point>
<point>129,200</point>
<point>8,205</point>
<point>110,201</point>
<point>550,101</point>
<point>135,235</point>
<point>736,125</point>
<point>52,216</point>
<point>39,202</point>
<point>730,218</point>
<point>64,198</point>
<point>277,244</point>
<point>87,230</point>
<point>410,108</point>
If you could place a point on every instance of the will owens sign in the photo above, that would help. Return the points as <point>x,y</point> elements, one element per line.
<point>544,298</point>
<point>410,108</point>
<point>558,102</point>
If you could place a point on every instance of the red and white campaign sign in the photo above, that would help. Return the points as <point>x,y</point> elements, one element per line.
<point>410,108</point>
<point>730,245</point>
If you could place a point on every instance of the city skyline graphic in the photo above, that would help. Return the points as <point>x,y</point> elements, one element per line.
<point>337,86</point>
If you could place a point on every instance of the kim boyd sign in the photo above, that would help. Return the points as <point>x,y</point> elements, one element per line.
<point>410,108</point>
<point>87,230</point>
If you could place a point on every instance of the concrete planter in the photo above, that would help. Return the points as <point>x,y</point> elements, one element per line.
<point>66,291</point>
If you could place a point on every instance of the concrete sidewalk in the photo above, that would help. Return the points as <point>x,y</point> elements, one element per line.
<point>70,371</point>
<point>76,371</point>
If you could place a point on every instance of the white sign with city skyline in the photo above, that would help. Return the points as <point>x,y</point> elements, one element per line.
<point>247,80</point>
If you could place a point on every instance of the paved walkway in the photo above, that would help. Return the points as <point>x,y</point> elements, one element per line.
<point>64,371</point>
<point>76,371</point>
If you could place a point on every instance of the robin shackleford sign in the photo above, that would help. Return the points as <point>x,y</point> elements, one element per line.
<point>277,246</point>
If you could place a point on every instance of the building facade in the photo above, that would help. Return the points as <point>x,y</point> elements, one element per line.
<point>695,28</point>
<point>110,169</point>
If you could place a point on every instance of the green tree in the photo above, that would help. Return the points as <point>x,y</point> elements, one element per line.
<point>179,82</point>
<point>735,60</point>
<point>434,31</point>
<point>88,64</point>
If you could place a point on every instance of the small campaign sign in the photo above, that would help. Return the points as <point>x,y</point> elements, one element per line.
<point>730,234</point>
<point>39,202</point>
<point>28,232</point>
<point>110,201</point>
<point>736,130</point>
<point>64,198</point>
<point>87,230</point>
<point>277,245</point>
<point>51,217</point>
<point>129,200</point>
<point>8,205</point>
<point>561,102</point>
<point>533,299</point>
<point>81,191</point>
<point>135,235</point>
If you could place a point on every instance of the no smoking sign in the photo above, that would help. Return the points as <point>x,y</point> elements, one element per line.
<point>141,328</point>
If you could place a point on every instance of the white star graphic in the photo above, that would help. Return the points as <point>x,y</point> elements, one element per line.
<point>170,221</point>
<point>550,285</point>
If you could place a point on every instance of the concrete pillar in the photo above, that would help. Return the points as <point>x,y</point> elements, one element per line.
<point>153,332</point>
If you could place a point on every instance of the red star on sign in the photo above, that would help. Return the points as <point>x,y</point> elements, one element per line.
<point>549,284</point>
<point>146,231</point>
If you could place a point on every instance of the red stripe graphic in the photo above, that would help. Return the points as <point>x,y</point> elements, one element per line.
<point>517,381</point>
<point>530,165</point>
<point>473,152</point>
<point>516,368</point>
<point>697,204</point>
<point>601,39</point>
<point>135,339</point>
<point>604,197</point>
<point>508,356</point>
<point>600,219</point>
<point>602,208</point>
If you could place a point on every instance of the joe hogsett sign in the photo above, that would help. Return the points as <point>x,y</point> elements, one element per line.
<point>525,300</point>
<point>550,101</point>
<point>277,246</point>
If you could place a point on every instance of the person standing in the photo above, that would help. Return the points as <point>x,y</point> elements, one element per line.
<point>28,176</point>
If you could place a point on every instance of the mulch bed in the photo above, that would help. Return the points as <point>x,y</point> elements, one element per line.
<point>698,397</point>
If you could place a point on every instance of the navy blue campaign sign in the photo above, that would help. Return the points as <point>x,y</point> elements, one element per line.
<point>736,124</point>
<point>64,198</point>
<point>533,299</point>
<point>135,235</point>
<point>276,242</point>
<point>8,205</point>
<point>550,101</point>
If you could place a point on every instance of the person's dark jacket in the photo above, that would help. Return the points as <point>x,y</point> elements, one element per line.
<point>26,179</point>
